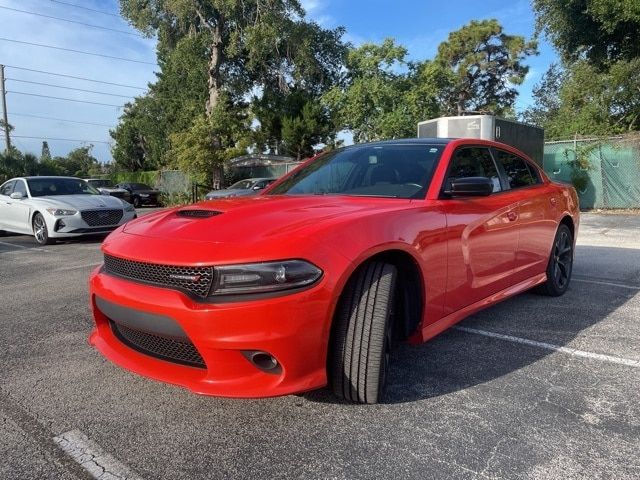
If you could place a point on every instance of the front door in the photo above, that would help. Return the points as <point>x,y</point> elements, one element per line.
<point>482,233</point>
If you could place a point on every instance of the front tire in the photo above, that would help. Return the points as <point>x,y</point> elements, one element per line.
<point>362,334</point>
<point>136,202</point>
<point>560,264</point>
<point>40,230</point>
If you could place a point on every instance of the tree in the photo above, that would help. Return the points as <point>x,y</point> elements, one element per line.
<point>302,133</point>
<point>211,141</point>
<point>14,163</point>
<point>546,96</point>
<point>601,31</point>
<point>45,155</point>
<point>247,40</point>
<point>375,99</point>
<point>78,163</point>
<point>592,102</point>
<point>481,65</point>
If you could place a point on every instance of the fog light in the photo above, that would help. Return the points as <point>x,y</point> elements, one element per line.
<point>263,361</point>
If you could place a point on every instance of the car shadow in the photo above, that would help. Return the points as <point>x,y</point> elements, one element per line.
<point>456,360</point>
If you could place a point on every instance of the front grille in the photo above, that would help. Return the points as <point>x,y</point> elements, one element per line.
<point>100,218</point>
<point>194,280</point>
<point>193,213</point>
<point>172,350</point>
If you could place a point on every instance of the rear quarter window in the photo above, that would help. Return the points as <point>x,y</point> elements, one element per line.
<point>517,170</point>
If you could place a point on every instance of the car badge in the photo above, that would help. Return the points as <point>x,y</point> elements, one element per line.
<point>188,278</point>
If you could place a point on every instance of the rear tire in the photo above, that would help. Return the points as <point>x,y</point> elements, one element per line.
<point>362,334</point>
<point>560,264</point>
<point>40,231</point>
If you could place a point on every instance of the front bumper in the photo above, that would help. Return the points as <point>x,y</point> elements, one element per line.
<point>74,225</point>
<point>292,328</point>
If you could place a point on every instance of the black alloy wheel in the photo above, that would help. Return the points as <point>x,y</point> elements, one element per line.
<point>560,264</point>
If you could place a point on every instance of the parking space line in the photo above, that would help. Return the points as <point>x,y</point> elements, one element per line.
<point>22,247</point>
<point>90,456</point>
<point>610,284</point>
<point>556,348</point>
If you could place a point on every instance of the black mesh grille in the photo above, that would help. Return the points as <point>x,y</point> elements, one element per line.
<point>177,351</point>
<point>100,218</point>
<point>193,213</point>
<point>194,280</point>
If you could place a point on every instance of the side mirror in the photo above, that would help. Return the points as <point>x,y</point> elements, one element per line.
<point>471,187</point>
<point>16,196</point>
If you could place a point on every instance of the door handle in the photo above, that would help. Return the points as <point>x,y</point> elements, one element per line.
<point>512,216</point>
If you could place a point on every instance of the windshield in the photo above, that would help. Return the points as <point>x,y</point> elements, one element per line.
<point>40,187</point>
<point>99,183</point>
<point>396,171</point>
<point>241,185</point>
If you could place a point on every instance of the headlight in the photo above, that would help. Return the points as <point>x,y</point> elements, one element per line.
<point>144,195</point>
<point>61,212</point>
<point>128,207</point>
<point>264,277</point>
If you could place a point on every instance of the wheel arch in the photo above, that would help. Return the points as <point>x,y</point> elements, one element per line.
<point>568,221</point>
<point>411,286</point>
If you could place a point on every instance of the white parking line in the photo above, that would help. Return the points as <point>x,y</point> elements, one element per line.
<point>611,284</point>
<point>22,247</point>
<point>556,348</point>
<point>92,458</point>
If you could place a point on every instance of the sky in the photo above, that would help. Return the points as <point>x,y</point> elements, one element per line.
<point>420,25</point>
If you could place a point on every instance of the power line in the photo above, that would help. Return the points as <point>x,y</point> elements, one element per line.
<point>71,21</point>
<point>75,77</point>
<point>68,88</point>
<point>62,120</point>
<point>65,99</point>
<point>87,8</point>
<point>61,139</point>
<point>76,51</point>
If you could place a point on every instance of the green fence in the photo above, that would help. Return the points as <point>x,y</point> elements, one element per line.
<point>611,170</point>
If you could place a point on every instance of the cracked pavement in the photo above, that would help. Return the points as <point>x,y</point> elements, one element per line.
<point>459,406</point>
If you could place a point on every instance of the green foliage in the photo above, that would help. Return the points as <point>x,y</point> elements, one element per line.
<point>142,137</point>
<point>376,99</point>
<point>580,164</point>
<point>481,66</point>
<point>600,31</point>
<point>586,101</point>
<point>148,178</point>
<point>211,141</point>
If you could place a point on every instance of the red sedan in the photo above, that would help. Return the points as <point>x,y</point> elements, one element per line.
<point>314,281</point>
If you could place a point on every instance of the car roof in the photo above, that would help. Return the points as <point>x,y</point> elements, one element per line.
<point>46,177</point>
<point>406,141</point>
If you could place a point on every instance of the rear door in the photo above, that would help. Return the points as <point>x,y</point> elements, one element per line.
<point>482,232</point>
<point>536,212</point>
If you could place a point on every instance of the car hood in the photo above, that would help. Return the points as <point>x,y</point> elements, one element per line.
<point>228,192</point>
<point>253,219</point>
<point>79,202</point>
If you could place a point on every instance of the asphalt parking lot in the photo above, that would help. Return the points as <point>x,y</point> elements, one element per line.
<point>536,387</point>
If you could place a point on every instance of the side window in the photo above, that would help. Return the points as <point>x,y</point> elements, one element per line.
<point>20,187</point>
<point>473,162</point>
<point>7,188</point>
<point>517,170</point>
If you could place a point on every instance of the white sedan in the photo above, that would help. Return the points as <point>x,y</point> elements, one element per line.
<point>58,207</point>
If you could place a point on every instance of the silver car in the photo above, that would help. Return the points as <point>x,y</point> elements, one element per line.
<point>59,207</point>
<point>243,188</point>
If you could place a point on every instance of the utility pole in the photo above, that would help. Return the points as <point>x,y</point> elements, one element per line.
<point>3,93</point>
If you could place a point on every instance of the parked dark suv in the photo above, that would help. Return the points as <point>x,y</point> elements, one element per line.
<point>141,194</point>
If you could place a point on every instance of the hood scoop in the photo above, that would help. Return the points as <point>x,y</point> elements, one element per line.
<point>195,213</point>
